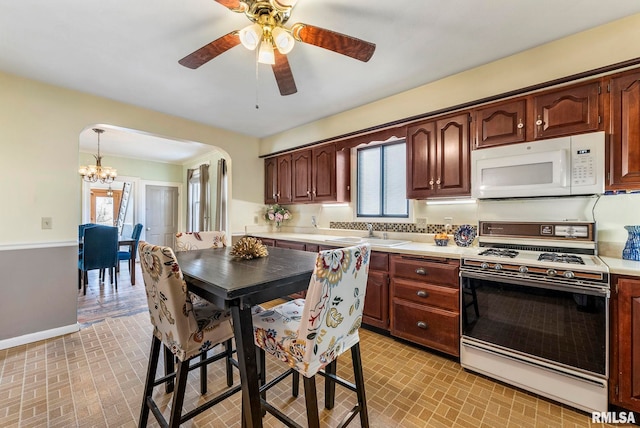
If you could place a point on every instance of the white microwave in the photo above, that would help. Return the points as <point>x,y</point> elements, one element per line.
<point>555,167</point>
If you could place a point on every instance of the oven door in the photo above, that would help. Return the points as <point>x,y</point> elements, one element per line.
<point>564,325</point>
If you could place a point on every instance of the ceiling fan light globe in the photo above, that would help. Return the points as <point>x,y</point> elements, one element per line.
<point>265,54</point>
<point>283,39</point>
<point>250,36</point>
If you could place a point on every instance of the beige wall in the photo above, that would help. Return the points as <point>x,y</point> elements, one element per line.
<point>39,129</point>
<point>608,44</point>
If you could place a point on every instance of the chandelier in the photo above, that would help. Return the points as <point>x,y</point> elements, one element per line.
<point>97,172</point>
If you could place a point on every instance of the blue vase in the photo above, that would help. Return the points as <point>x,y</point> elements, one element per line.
<point>632,247</point>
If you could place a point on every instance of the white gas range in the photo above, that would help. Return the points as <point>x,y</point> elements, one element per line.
<point>535,300</point>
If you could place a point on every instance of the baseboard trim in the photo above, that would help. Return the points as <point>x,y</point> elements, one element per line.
<point>39,335</point>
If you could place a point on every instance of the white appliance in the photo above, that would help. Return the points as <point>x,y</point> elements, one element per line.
<point>556,167</point>
<point>535,310</point>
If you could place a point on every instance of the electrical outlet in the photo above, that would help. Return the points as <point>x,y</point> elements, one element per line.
<point>421,221</point>
<point>255,219</point>
<point>448,220</point>
<point>47,223</point>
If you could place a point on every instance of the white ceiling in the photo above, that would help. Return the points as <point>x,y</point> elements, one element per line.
<point>129,51</point>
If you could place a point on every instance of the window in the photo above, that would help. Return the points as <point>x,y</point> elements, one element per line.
<point>194,202</point>
<point>382,190</point>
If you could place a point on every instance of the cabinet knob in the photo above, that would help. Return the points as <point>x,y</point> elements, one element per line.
<point>313,192</point>
<point>423,325</point>
<point>431,183</point>
<point>520,124</point>
<point>438,182</point>
<point>421,271</point>
<point>539,122</point>
<point>422,293</point>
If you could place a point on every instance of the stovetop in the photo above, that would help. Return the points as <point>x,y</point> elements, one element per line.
<point>557,252</point>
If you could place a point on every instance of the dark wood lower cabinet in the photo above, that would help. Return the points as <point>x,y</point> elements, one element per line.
<point>425,302</point>
<point>624,377</point>
<point>376,302</point>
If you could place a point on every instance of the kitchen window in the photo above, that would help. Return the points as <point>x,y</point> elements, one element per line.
<point>381,181</point>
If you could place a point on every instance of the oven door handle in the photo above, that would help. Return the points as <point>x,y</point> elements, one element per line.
<point>519,280</point>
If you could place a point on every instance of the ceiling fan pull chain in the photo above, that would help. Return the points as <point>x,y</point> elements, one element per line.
<point>257,75</point>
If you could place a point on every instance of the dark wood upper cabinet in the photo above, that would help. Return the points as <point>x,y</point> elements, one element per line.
<point>323,182</point>
<point>301,176</point>
<point>500,123</point>
<point>438,157</point>
<point>284,195</point>
<point>566,111</point>
<point>624,127</point>
<point>317,175</point>
<point>270,180</point>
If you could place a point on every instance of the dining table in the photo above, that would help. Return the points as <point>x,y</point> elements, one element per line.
<point>239,284</point>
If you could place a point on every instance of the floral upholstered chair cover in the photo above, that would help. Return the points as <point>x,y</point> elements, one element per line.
<point>186,241</point>
<point>310,333</point>
<point>185,328</point>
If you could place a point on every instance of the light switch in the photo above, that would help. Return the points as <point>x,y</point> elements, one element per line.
<point>47,223</point>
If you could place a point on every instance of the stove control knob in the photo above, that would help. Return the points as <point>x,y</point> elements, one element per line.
<point>523,269</point>
<point>498,266</point>
<point>552,272</point>
<point>568,274</point>
<point>484,265</point>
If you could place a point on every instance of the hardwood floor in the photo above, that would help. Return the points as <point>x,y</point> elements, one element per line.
<point>103,301</point>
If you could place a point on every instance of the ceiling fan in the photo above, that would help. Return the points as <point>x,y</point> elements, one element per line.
<point>273,40</point>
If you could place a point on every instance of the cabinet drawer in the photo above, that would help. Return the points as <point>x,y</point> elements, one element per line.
<point>432,327</point>
<point>427,294</point>
<point>379,261</point>
<point>425,270</point>
<point>292,245</point>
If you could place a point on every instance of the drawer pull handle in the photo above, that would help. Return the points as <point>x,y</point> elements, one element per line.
<point>421,271</point>
<point>423,325</point>
<point>422,293</point>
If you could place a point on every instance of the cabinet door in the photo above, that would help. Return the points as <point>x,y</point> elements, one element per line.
<point>628,343</point>
<point>270,180</point>
<point>323,169</point>
<point>376,301</point>
<point>500,123</point>
<point>566,111</point>
<point>452,161</point>
<point>421,160</point>
<point>301,176</point>
<point>624,145</point>
<point>283,196</point>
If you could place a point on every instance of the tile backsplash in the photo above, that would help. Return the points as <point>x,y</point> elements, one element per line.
<point>395,227</point>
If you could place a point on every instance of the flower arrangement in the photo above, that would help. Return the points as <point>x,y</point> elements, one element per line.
<point>277,214</point>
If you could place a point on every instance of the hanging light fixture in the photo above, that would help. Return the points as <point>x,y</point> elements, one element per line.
<point>97,172</point>
<point>109,192</point>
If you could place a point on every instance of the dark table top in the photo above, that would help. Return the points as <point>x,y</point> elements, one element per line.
<point>216,275</point>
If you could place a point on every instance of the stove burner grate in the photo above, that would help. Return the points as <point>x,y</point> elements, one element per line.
<point>500,252</point>
<point>560,258</point>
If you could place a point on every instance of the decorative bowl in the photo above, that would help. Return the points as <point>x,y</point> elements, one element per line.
<point>442,242</point>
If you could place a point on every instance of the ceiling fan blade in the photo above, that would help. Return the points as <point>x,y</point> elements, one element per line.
<point>336,42</point>
<point>234,5</point>
<point>283,74</point>
<point>210,51</point>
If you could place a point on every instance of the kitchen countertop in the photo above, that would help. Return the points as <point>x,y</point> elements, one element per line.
<point>451,251</point>
<point>621,266</point>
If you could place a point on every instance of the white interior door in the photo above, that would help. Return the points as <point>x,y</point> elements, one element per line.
<point>161,214</point>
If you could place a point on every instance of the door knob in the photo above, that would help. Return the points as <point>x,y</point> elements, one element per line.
<point>148,228</point>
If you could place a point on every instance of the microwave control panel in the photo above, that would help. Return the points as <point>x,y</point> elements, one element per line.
<point>583,164</point>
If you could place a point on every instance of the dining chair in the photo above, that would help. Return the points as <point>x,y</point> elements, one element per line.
<point>99,251</point>
<point>130,254</point>
<point>310,334</point>
<point>81,228</point>
<point>186,241</point>
<point>189,330</point>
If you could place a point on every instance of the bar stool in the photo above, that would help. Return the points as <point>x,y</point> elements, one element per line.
<point>310,334</point>
<point>188,330</point>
